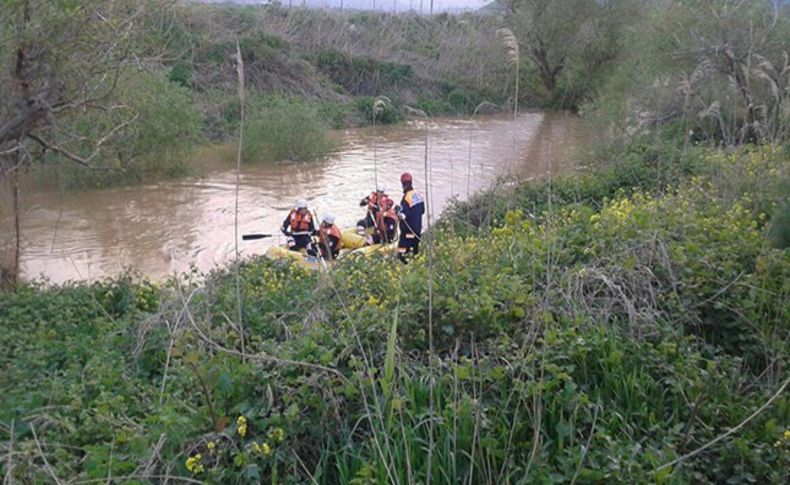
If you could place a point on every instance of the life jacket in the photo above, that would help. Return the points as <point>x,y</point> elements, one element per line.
<point>373,202</point>
<point>324,232</point>
<point>299,222</point>
<point>387,212</point>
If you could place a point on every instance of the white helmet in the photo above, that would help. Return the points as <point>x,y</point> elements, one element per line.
<point>329,219</point>
<point>380,188</point>
<point>301,204</point>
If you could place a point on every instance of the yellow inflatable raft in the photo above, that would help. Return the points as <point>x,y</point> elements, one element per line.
<point>353,243</point>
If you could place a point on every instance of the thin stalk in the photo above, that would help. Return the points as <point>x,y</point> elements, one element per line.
<point>17,230</point>
<point>240,70</point>
<point>469,168</point>
<point>429,246</point>
<point>379,104</point>
<point>375,157</point>
<point>9,478</point>
<point>512,52</point>
<point>206,391</point>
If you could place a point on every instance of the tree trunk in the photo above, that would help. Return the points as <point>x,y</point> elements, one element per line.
<point>548,75</point>
<point>9,222</point>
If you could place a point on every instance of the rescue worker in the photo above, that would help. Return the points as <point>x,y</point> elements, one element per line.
<point>372,204</point>
<point>386,223</point>
<point>412,207</point>
<point>299,226</point>
<point>329,238</point>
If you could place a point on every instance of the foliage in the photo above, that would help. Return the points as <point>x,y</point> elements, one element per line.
<point>631,323</point>
<point>385,113</point>
<point>718,70</point>
<point>570,43</point>
<point>363,76</point>
<point>164,127</point>
<point>282,129</point>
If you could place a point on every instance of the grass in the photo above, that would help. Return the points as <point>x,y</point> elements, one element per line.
<point>639,322</point>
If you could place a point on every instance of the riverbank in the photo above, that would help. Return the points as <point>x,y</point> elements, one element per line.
<point>612,335</point>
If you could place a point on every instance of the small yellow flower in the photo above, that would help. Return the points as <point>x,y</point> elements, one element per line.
<point>241,427</point>
<point>277,434</point>
<point>266,450</point>
<point>256,447</point>
<point>194,465</point>
<point>786,435</point>
<point>211,445</point>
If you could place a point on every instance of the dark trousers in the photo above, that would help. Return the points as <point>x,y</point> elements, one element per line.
<point>408,245</point>
<point>367,221</point>
<point>301,242</point>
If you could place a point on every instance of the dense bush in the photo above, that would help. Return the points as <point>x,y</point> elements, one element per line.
<point>385,115</point>
<point>161,126</point>
<point>716,70</point>
<point>282,129</point>
<point>599,340</point>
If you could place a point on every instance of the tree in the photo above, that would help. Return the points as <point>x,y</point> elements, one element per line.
<point>59,61</point>
<point>561,35</point>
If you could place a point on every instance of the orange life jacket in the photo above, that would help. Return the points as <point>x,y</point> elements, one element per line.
<point>387,212</point>
<point>299,222</point>
<point>333,231</point>
<point>373,202</point>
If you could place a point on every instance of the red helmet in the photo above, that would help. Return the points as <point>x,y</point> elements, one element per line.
<point>406,177</point>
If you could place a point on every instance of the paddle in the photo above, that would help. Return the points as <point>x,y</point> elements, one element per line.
<point>250,237</point>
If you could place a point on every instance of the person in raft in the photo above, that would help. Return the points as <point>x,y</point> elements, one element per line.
<point>372,202</point>
<point>299,226</point>
<point>412,207</point>
<point>386,223</point>
<point>329,239</point>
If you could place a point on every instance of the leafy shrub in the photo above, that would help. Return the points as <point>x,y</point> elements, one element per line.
<point>181,74</point>
<point>387,114</point>
<point>163,130</point>
<point>284,130</point>
<point>363,76</point>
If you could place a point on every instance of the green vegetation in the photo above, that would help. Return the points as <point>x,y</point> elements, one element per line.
<point>637,318</point>
<point>714,71</point>
<point>282,130</point>
<point>165,125</point>
<point>625,323</point>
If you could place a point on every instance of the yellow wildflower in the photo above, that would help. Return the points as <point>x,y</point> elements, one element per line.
<point>211,445</point>
<point>277,434</point>
<point>266,450</point>
<point>786,435</point>
<point>241,427</point>
<point>194,465</point>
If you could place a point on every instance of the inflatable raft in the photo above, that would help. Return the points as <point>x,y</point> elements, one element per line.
<point>353,243</point>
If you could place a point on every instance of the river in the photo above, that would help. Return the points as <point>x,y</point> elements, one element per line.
<point>162,228</point>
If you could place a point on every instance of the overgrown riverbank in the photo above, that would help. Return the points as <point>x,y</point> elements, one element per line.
<point>592,328</point>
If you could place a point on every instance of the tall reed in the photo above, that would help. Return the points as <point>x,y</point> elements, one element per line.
<point>512,54</point>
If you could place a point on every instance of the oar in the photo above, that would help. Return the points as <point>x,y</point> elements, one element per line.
<point>250,237</point>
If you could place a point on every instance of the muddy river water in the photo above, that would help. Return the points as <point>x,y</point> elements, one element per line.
<point>166,227</point>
